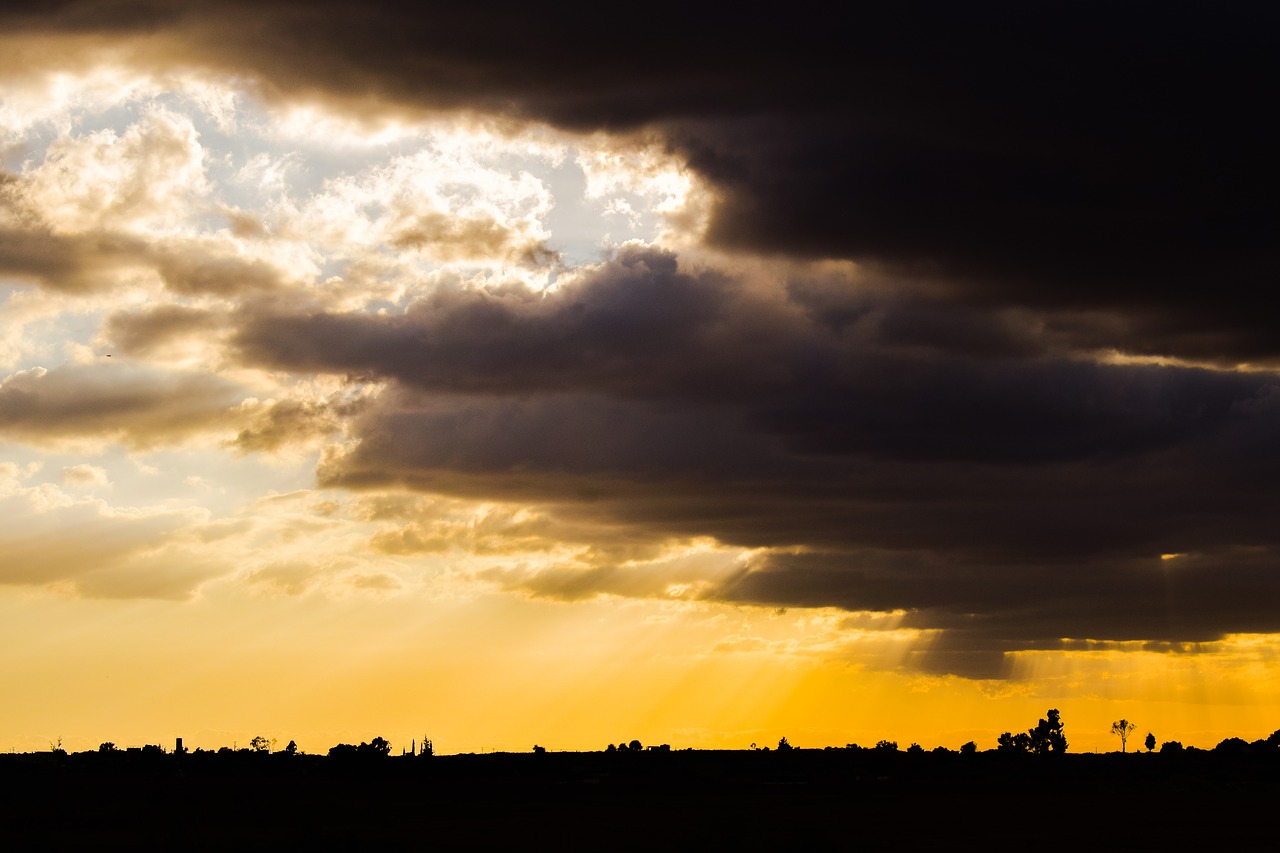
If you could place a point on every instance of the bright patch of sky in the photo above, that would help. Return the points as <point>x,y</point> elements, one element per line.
<point>142,196</point>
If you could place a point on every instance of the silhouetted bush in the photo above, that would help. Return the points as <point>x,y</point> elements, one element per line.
<point>1232,746</point>
<point>376,748</point>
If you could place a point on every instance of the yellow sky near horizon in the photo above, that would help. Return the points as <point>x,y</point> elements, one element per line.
<point>496,672</point>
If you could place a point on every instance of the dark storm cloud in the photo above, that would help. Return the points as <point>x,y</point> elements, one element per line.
<point>984,610</point>
<point>692,472</point>
<point>899,379</point>
<point>693,335</point>
<point>1100,156</point>
<point>1001,555</point>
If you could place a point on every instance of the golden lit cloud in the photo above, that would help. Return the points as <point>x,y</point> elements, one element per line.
<point>52,537</point>
<point>104,403</point>
<point>87,476</point>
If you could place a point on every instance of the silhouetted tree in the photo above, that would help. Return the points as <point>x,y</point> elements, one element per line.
<point>377,748</point>
<point>538,750</point>
<point>1009,742</point>
<point>887,745</point>
<point>1170,746</point>
<point>635,746</point>
<point>915,749</point>
<point>783,744</point>
<point>343,750</point>
<point>1150,742</point>
<point>291,748</point>
<point>1047,736</point>
<point>428,748</point>
<point>969,748</point>
<point>610,748</point>
<point>107,747</point>
<point>1123,728</point>
<point>260,744</point>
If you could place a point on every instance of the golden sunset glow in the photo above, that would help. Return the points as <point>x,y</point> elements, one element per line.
<point>341,399</point>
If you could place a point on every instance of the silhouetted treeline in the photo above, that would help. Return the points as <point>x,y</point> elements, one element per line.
<point>1046,739</point>
<point>877,797</point>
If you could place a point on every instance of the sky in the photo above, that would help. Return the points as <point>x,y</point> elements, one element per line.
<point>509,377</point>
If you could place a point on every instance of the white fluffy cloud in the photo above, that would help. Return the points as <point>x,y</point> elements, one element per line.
<point>144,179</point>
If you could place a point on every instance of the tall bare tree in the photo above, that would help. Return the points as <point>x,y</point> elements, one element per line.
<point>1123,728</point>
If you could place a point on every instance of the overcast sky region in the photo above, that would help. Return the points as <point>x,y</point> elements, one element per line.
<point>704,376</point>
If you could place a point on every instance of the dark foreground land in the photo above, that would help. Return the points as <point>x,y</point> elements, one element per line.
<point>690,800</point>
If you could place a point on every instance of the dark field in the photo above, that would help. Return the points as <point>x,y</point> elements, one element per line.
<point>804,799</point>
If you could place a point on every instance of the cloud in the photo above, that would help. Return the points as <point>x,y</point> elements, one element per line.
<point>679,572</point>
<point>50,537</point>
<point>85,475</point>
<point>982,610</point>
<point>590,333</point>
<point>150,330</point>
<point>88,261</point>
<point>71,263</point>
<point>281,423</point>
<point>185,269</point>
<point>142,180</point>
<point>108,403</point>
<point>290,577</point>
<point>462,199</point>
